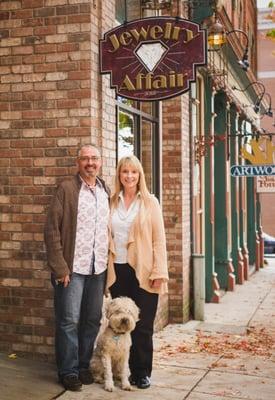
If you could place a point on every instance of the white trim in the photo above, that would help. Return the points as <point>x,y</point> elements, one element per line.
<point>266,74</point>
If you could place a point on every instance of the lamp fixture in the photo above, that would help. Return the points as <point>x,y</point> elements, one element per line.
<point>244,63</point>
<point>156,4</point>
<point>217,37</point>
<point>269,111</point>
<point>257,104</point>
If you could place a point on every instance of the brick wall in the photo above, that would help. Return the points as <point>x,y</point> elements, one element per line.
<point>176,203</point>
<point>52,98</point>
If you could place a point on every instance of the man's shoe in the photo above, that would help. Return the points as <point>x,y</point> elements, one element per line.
<point>132,380</point>
<point>143,383</point>
<point>71,382</point>
<point>85,376</point>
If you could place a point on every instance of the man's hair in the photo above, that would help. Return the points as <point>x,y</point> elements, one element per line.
<point>89,145</point>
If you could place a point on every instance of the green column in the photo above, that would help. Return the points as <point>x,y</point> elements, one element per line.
<point>235,239</point>
<point>251,220</point>
<point>243,228</point>
<point>221,223</point>
<point>258,212</point>
<point>209,223</point>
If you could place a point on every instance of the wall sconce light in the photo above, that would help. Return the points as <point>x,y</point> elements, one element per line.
<point>217,37</point>
<point>156,4</point>
<point>269,111</point>
<point>257,104</point>
<point>244,63</point>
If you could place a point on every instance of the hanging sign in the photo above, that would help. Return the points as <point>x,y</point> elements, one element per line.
<point>153,58</point>
<point>252,170</point>
<point>260,154</point>
<point>266,184</point>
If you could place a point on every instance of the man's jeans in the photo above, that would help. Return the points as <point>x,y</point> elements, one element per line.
<point>78,310</point>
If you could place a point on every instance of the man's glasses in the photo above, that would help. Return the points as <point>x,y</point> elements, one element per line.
<point>87,159</point>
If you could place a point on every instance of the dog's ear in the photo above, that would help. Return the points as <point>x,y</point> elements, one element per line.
<point>135,313</point>
<point>133,309</point>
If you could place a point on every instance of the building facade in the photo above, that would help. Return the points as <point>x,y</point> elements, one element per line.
<point>266,74</point>
<point>53,98</point>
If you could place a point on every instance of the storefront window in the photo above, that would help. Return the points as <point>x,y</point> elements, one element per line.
<point>126,134</point>
<point>120,11</point>
<point>127,10</point>
<point>138,134</point>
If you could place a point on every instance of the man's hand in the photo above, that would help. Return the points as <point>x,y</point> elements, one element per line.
<point>65,280</point>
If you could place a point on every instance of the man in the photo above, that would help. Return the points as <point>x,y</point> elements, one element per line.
<point>76,237</point>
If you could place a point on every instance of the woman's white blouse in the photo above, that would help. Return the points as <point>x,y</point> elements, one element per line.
<point>121,222</point>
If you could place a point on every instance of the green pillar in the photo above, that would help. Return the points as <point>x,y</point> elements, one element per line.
<point>209,221</point>
<point>223,262</point>
<point>242,183</point>
<point>258,213</point>
<point>235,238</point>
<point>251,220</point>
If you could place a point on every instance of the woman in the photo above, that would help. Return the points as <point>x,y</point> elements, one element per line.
<point>138,262</point>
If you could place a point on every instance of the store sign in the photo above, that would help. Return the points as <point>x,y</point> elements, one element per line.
<point>153,58</point>
<point>260,153</point>
<point>252,170</point>
<point>266,184</point>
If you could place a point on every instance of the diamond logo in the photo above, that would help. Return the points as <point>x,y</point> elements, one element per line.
<point>150,54</point>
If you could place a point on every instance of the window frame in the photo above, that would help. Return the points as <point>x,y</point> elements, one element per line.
<point>140,116</point>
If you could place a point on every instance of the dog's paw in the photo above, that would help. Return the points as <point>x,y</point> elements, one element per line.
<point>127,387</point>
<point>109,387</point>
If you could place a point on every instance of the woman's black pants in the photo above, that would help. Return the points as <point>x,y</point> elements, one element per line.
<point>141,353</point>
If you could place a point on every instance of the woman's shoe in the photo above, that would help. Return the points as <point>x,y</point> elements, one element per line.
<point>143,383</point>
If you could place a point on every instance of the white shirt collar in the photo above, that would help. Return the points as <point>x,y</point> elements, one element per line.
<point>122,197</point>
<point>97,182</point>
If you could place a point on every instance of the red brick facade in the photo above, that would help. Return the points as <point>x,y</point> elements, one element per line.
<point>176,203</point>
<point>52,98</point>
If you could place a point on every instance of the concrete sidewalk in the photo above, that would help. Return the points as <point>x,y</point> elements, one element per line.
<point>230,355</point>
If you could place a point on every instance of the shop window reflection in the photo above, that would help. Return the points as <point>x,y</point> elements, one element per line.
<point>138,134</point>
<point>126,136</point>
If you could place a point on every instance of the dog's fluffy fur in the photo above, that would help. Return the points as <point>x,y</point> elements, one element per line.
<point>111,356</point>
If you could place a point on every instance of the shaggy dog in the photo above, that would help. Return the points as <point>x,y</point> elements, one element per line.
<point>111,356</point>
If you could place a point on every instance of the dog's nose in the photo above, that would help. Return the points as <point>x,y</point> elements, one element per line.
<point>124,320</point>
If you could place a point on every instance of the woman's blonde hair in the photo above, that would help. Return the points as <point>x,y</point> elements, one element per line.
<point>133,162</point>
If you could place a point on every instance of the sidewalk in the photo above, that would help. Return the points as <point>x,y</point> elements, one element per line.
<point>230,355</point>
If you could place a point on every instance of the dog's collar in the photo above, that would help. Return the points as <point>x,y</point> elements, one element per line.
<point>115,338</point>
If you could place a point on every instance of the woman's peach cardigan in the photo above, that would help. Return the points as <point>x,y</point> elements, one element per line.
<point>146,248</point>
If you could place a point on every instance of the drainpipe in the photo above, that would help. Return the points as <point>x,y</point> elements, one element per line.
<point>198,260</point>
<point>199,286</point>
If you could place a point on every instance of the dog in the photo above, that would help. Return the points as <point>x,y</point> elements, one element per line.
<point>111,355</point>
